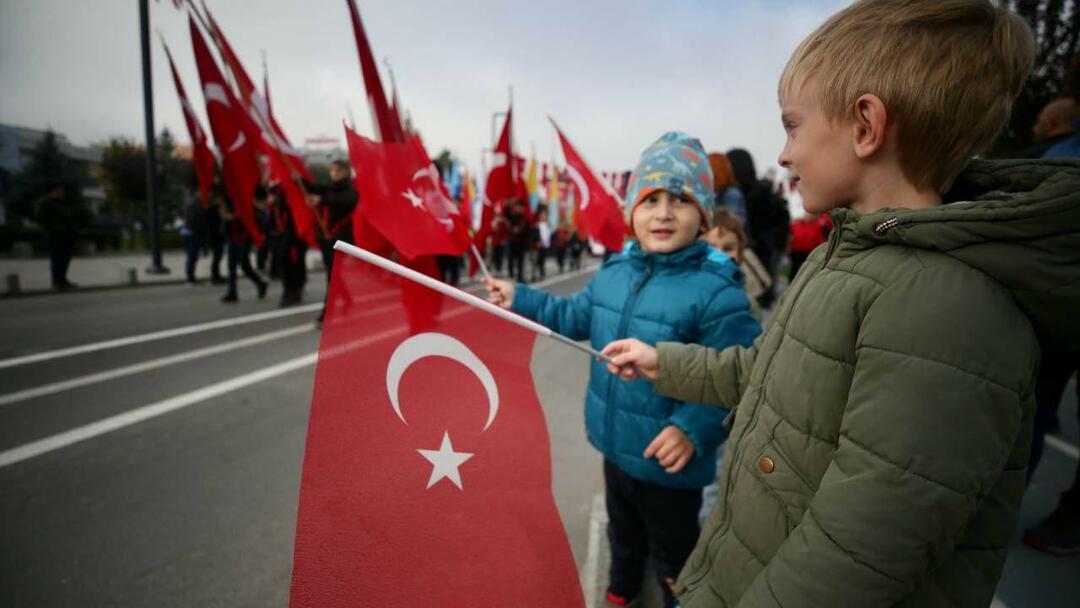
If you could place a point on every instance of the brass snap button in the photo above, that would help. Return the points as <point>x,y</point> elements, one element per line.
<point>766,465</point>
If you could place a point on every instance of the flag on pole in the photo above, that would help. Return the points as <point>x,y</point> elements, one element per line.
<point>285,162</point>
<point>598,207</point>
<point>239,166</point>
<point>498,187</point>
<point>382,116</point>
<point>201,156</point>
<point>404,198</point>
<point>427,475</point>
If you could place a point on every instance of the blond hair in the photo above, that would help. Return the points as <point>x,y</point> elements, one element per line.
<point>946,70</point>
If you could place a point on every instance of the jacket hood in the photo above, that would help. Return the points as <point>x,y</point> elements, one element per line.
<point>1017,221</point>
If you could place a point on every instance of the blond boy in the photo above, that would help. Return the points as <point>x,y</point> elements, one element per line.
<point>882,421</point>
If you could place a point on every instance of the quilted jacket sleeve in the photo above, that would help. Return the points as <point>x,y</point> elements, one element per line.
<point>727,321</point>
<point>690,372</point>
<point>938,401</point>
<point>570,316</point>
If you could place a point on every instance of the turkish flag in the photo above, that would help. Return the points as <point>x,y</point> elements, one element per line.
<point>404,199</point>
<point>239,165</point>
<point>499,186</point>
<point>427,471</point>
<point>598,205</point>
<point>201,156</point>
<point>286,165</point>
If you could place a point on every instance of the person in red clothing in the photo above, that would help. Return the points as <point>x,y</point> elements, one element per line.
<point>807,232</point>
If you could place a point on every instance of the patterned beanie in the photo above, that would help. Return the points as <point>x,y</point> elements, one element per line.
<point>676,163</point>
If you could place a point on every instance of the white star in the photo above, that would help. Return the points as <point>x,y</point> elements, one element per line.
<point>413,198</point>
<point>445,462</point>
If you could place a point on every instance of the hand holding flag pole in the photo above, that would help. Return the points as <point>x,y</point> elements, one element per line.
<point>463,296</point>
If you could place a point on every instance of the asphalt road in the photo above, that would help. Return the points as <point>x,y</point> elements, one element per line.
<point>164,470</point>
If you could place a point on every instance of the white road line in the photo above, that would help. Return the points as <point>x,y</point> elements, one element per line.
<point>1063,446</point>
<point>157,335</point>
<point>590,569</point>
<point>146,412</point>
<point>145,366</point>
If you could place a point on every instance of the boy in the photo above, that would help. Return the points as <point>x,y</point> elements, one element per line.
<point>658,452</point>
<point>883,424</point>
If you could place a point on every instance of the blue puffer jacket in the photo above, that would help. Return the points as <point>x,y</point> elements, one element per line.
<point>694,295</point>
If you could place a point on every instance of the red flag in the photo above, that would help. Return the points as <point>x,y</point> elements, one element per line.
<point>500,185</point>
<point>239,166</point>
<point>403,197</point>
<point>427,476</point>
<point>383,118</point>
<point>201,156</point>
<point>597,204</point>
<point>284,161</point>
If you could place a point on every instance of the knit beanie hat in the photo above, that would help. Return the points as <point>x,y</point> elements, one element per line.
<point>677,163</point>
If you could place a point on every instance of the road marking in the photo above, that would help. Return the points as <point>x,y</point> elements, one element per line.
<point>1063,446</point>
<point>145,366</point>
<point>146,412</point>
<point>590,570</point>
<point>157,335</point>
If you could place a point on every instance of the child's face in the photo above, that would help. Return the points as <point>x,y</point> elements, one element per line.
<point>664,223</point>
<point>724,240</point>
<point>818,152</point>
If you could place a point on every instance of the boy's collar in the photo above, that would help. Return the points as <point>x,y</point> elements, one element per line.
<point>698,248</point>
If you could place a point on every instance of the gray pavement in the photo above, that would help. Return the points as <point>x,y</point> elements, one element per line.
<point>197,506</point>
<point>104,271</point>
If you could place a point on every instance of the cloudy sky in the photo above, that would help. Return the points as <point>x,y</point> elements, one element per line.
<point>614,74</point>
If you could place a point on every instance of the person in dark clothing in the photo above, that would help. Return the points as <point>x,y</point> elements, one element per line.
<point>560,240</point>
<point>265,254</point>
<point>334,207</point>
<point>518,239</point>
<point>541,236</point>
<point>767,214</point>
<point>60,218</point>
<point>193,232</point>
<point>449,268</point>
<point>215,233</point>
<point>499,235</point>
<point>239,254</point>
<point>289,250</point>
<point>576,246</point>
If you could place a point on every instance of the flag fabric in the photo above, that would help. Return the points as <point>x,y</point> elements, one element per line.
<point>467,197</point>
<point>498,186</point>
<point>239,165</point>
<point>598,207</point>
<point>386,124</point>
<point>532,183</point>
<point>201,156</point>
<point>285,163</point>
<point>427,476</point>
<point>404,199</point>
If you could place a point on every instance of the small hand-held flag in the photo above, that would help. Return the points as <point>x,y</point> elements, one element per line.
<point>427,471</point>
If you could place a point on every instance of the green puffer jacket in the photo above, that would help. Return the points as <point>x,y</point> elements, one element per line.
<point>880,441</point>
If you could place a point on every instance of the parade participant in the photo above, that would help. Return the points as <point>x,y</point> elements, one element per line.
<point>728,194</point>
<point>334,206</point>
<point>500,234</point>
<point>543,243</point>
<point>192,232</point>
<point>658,452</point>
<point>560,240</point>
<point>215,233</point>
<point>239,252</point>
<point>60,217</point>
<point>880,441</point>
<point>517,238</point>
<point>290,250</point>
<point>767,215</point>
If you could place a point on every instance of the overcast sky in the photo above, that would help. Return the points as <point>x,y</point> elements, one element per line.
<point>614,74</point>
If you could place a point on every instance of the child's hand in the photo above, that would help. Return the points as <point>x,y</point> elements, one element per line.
<point>500,293</point>
<point>632,357</point>
<point>672,448</point>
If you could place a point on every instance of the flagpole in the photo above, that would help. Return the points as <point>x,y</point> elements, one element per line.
<point>480,259</point>
<point>156,267</point>
<point>463,296</point>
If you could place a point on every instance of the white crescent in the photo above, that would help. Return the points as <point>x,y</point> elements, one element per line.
<point>579,181</point>
<point>215,92</point>
<point>433,344</point>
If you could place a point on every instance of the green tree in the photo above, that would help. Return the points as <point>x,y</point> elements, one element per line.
<point>123,177</point>
<point>173,188</point>
<point>47,168</point>
<point>1056,25</point>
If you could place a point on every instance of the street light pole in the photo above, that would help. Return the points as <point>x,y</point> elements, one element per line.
<point>151,148</point>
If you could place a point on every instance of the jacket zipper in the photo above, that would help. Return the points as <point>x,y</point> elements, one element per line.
<point>834,240</point>
<point>624,326</point>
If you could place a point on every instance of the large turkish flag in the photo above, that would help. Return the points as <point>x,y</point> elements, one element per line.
<point>427,474</point>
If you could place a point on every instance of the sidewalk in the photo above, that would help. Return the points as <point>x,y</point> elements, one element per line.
<point>110,271</point>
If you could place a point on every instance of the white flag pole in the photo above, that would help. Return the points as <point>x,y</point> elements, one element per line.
<point>480,259</point>
<point>462,296</point>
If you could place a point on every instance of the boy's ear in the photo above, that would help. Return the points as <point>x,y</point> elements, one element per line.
<point>869,123</point>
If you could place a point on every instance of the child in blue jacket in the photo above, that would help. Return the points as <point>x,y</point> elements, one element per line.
<point>667,286</point>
